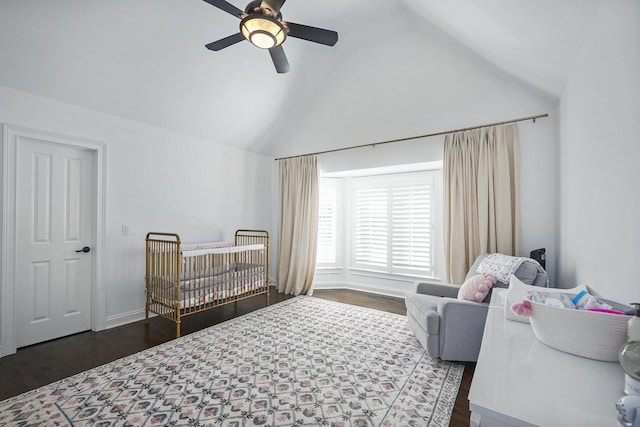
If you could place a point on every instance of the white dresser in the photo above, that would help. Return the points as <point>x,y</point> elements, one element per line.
<point>519,381</point>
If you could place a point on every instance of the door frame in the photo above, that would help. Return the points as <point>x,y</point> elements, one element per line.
<point>11,138</point>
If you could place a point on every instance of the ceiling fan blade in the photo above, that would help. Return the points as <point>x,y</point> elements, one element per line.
<point>225,42</point>
<point>279,59</point>
<point>312,34</point>
<point>274,5</point>
<point>226,6</point>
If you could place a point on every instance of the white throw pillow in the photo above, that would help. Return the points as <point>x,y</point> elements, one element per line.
<point>518,290</point>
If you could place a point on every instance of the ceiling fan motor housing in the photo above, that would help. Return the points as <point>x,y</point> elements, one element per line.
<point>255,8</point>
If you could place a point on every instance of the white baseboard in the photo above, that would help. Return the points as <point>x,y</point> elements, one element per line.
<point>125,318</point>
<point>129,317</point>
<point>380,290</point>
<point>372,289</point>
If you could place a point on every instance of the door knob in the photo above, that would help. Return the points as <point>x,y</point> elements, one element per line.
<point>85,249</point>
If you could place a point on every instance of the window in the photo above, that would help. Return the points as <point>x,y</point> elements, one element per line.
<point>328,222</point>
<point>385,223</point>
<point>393,222</point>
<point>371,231</point>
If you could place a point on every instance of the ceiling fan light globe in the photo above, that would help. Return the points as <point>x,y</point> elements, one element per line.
<point>263,40</point>
<point>263,31</point>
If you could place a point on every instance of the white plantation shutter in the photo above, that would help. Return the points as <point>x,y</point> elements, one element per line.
<point>393,222</point>
<point>411,225</point>
<point>371,225</point>
<point>327,223</point>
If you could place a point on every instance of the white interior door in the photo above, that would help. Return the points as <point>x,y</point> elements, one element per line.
<point>54,222</point>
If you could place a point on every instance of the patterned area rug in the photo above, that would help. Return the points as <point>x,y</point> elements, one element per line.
<point>304,361</point>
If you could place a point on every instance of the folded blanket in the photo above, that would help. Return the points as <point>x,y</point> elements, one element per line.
<point>501,266</point>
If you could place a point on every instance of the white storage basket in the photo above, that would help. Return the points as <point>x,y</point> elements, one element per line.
<point>584,333</point>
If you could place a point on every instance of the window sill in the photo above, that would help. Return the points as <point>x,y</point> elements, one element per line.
<point>392,276</point>
<point>329,269</point>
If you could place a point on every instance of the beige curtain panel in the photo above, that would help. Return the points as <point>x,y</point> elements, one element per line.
<point>298,232</point>
<point>481,196</point>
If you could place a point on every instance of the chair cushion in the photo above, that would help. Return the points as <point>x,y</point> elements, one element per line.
<point>527,272</point>
<point>424,308</point>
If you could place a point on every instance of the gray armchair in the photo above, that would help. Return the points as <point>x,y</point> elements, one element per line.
<point>449,328</point>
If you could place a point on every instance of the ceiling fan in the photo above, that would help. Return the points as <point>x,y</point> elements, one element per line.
<point>262,25</point>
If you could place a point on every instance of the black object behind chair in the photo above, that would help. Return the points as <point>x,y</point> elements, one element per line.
<point>540,256</point>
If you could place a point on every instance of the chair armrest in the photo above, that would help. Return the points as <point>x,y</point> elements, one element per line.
<point>438,290</point>
<point>461,328</point>
<point>451,304</point>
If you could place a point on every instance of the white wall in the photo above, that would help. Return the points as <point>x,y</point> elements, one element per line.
<point>431,84</point>
<point>156,181</point>
<point>600,158</point>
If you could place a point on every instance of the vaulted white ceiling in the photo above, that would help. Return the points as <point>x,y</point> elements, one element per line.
<point>145,60</point>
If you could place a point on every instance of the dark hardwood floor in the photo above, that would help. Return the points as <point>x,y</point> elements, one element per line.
<point>43,363</point>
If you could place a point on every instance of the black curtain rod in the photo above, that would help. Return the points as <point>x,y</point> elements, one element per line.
<point>373,144</point>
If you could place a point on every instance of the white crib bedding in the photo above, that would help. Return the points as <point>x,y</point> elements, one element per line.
<point>221,293</point>
<point>225,282</point>
<point>204,266</point>
<point>185,247</point>
<point>228,249</point>
<point>205,272</point>
<point>190,248</point>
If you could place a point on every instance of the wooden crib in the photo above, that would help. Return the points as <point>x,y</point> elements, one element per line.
<point>183,279</point>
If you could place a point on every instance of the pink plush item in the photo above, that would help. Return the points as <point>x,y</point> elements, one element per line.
<point>522,308</point>
<point>476,288</point>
